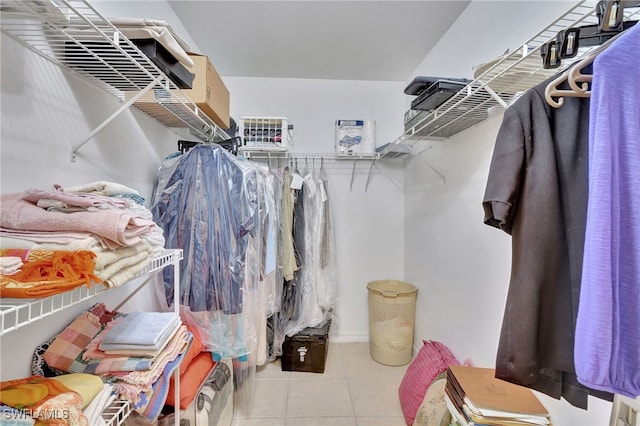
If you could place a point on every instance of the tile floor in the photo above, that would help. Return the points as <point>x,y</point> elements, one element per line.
<point>354,390</point>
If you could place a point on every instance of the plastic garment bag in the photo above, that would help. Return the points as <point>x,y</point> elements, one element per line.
<point>309,297</point>
<point>325,273</point>
<point>310,313</point>
<point>210,208</point>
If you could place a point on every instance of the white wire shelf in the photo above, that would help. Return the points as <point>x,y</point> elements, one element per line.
<point>75,36</point>
<point>16,313</point>
<point>500,83</point>
<point>116,413</point>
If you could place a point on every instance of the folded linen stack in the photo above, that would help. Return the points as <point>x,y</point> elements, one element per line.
<point>106,218</point>
<point>160,342</point>
<point>160,335</point>
<point>140,333</point>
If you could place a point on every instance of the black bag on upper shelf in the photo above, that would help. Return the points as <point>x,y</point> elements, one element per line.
<point>167,63</point>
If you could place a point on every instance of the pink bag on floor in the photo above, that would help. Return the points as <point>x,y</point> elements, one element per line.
<point>432,359</point>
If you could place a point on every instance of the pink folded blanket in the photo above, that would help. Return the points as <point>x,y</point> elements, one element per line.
<point>74,199</point>
<point>119,227</point>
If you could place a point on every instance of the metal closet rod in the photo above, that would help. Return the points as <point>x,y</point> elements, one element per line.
<point>332,156</point>
<point>276,155</point>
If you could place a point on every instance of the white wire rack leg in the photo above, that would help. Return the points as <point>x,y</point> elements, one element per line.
<point>176,308</point>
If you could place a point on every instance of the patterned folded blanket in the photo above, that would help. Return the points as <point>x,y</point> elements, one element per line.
<point>65,353</point>
<point>151,403</point>
<point>144,379</point>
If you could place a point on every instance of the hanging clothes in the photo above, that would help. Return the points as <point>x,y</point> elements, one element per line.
<point>607,355</point>
<point>289,265</point>
<point>209,208</point>
<point>311,312</point>
<point>537,192</point>
<point>220,210</point>
<point>309,297</point>
<point>326,269</point>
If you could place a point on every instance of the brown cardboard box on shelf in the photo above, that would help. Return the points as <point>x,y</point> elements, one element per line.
<point>209,93</point>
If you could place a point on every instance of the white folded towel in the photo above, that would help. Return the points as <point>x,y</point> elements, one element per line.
<point>10,265</point>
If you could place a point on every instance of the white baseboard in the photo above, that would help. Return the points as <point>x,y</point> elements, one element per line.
<point>349,338</point>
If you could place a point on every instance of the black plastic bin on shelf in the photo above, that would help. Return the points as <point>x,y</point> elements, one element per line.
<point>307,350</point>
<point>167,63</point>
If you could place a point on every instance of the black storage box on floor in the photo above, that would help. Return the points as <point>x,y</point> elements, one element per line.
<point>307,350</point>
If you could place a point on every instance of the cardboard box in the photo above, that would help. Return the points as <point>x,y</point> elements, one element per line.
<point>209,91</point>
<point>307,350</point>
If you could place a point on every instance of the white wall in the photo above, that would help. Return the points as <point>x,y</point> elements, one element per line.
<point>460,265</point>
<point>368,224</point>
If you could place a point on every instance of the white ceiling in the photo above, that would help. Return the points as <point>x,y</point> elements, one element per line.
<point>345,40</point>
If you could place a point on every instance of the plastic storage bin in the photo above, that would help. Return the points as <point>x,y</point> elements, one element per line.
<point>392,307</point>
<point>266,133</point>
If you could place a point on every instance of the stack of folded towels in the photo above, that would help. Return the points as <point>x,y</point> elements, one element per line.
<point>140,334</point>
<point>54,240</point>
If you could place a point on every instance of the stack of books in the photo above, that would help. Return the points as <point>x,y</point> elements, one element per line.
<point>476,398</point>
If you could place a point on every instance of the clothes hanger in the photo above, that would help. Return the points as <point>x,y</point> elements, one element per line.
<point>552,91</point>
<point>574,76</point>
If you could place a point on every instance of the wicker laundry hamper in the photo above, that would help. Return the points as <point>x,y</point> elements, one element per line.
<point>392,307</point>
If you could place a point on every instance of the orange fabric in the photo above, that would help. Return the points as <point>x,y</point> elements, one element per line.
<point>48,272</point>
<point>191,381</point>
<point>194,350</point>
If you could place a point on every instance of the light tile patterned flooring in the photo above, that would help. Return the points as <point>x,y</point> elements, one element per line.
<point>354,390</point>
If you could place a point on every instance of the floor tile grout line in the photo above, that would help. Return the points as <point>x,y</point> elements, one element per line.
<point>286,402</point>
<point>344,372</point>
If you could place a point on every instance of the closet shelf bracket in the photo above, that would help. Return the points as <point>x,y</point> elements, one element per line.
<point>373,163</point>
<point>440,175</point>
<point>113,116</point>
<point>495,96</point>
<point>353,173</point>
